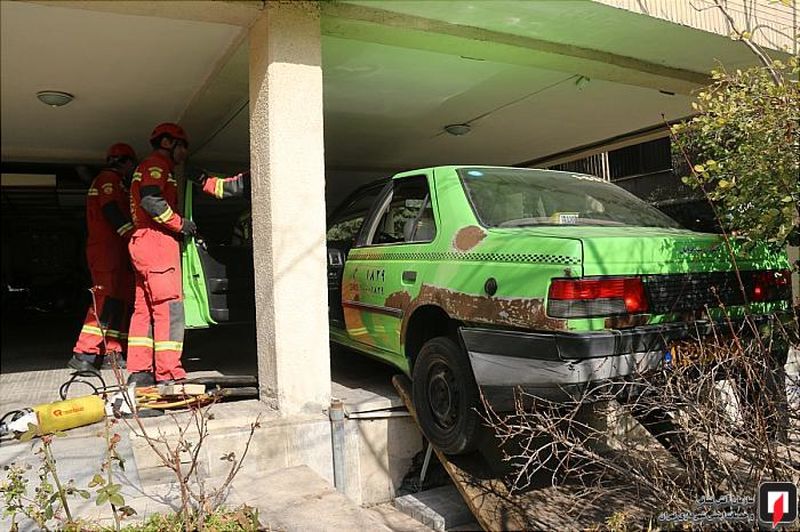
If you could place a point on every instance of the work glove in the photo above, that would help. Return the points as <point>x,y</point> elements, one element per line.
<point>244,184</point>
<point>189,228</point>
<point>236,186</point>
<point>196,175</point>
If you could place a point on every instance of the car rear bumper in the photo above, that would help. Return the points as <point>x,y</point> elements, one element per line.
<point>561,365</point>
<point>559,381</point>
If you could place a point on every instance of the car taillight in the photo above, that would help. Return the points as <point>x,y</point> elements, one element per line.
<point>583,298</point>
<point>769,286</point>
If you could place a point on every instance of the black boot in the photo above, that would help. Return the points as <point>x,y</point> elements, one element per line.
<point>141,379</point>
<point>108,364</point>
<point>84,362</point>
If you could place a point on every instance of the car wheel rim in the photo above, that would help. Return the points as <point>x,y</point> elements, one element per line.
<point>443,396</point>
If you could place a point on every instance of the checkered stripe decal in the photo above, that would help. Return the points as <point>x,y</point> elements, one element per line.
<point>442,256</point>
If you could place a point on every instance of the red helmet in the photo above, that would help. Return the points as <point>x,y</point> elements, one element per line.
<point>170,129</point>
<point>120,149</point>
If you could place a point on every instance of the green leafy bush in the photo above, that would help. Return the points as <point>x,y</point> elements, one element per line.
<point>744,151</point>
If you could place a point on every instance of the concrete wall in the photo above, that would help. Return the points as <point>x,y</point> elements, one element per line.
<point>378,452</point>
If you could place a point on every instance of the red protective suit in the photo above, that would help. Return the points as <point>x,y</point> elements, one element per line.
<point>158,320</point>
<point>107,256</point>
<point>157,326</point>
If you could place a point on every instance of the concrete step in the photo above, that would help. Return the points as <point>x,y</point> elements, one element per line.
<point>440,508</point>
<point>296,498</point>
<point>396,520</point>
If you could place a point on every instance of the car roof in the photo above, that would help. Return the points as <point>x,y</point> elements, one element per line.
<point>455,167</point>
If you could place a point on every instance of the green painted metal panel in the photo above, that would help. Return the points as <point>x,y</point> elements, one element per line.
<point>195,294</point>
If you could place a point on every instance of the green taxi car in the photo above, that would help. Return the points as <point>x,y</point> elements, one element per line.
<point>498,278</point>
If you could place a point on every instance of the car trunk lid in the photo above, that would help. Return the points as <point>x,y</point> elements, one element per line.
<point>681,270</point>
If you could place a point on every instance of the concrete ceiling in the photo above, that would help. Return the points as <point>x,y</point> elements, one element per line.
<point>127,72</point>
<point>401,99</point>
<point>394,74</point>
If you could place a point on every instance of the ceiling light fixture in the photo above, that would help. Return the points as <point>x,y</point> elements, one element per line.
<point>54,98</point>
<point>458,129</point>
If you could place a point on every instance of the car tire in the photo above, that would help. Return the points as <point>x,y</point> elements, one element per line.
<point>446,397</point>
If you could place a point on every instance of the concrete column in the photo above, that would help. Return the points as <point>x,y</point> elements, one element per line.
<point>288,194</point>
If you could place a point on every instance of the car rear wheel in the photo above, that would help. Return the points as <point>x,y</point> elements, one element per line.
<point>445,396</point>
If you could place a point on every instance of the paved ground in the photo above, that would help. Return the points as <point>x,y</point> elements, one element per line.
<point>35,347</point>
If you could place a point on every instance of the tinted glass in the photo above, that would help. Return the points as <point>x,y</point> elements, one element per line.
<point>350,218</point>
<point>504,197</point>
<point>409,216</point>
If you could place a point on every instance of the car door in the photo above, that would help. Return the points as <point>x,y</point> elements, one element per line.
<point>217,270</point>
<point>344,226</point>
<point>195,293</point>
<point>382,265</point>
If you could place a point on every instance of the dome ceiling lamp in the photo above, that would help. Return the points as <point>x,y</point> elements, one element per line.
<point>54,98</point>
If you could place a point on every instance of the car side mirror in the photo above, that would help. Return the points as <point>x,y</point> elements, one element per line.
<point>335,258</point>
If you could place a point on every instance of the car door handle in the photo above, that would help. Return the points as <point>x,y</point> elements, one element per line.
<point>409,276</point>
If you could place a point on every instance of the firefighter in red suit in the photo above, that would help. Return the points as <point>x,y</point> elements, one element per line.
<point>155,337</point>
<point>109,228</point>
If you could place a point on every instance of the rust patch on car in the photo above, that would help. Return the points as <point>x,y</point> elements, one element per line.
<point>524,313</point>
<point>350,290</point>
<point>352,315</point>
<point>468,237</point>
<point>515,312</point>
<point>399,300</point>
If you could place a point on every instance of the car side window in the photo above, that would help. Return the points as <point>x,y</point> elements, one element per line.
<point>348,222</point>
<point>345,229</point>
<point>406,216</point>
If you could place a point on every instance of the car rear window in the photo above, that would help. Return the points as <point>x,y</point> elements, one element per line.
<point>510,197</point>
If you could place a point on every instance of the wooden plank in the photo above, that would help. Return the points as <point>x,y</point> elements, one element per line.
<point>479,477</point>
<point>169,390</point>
